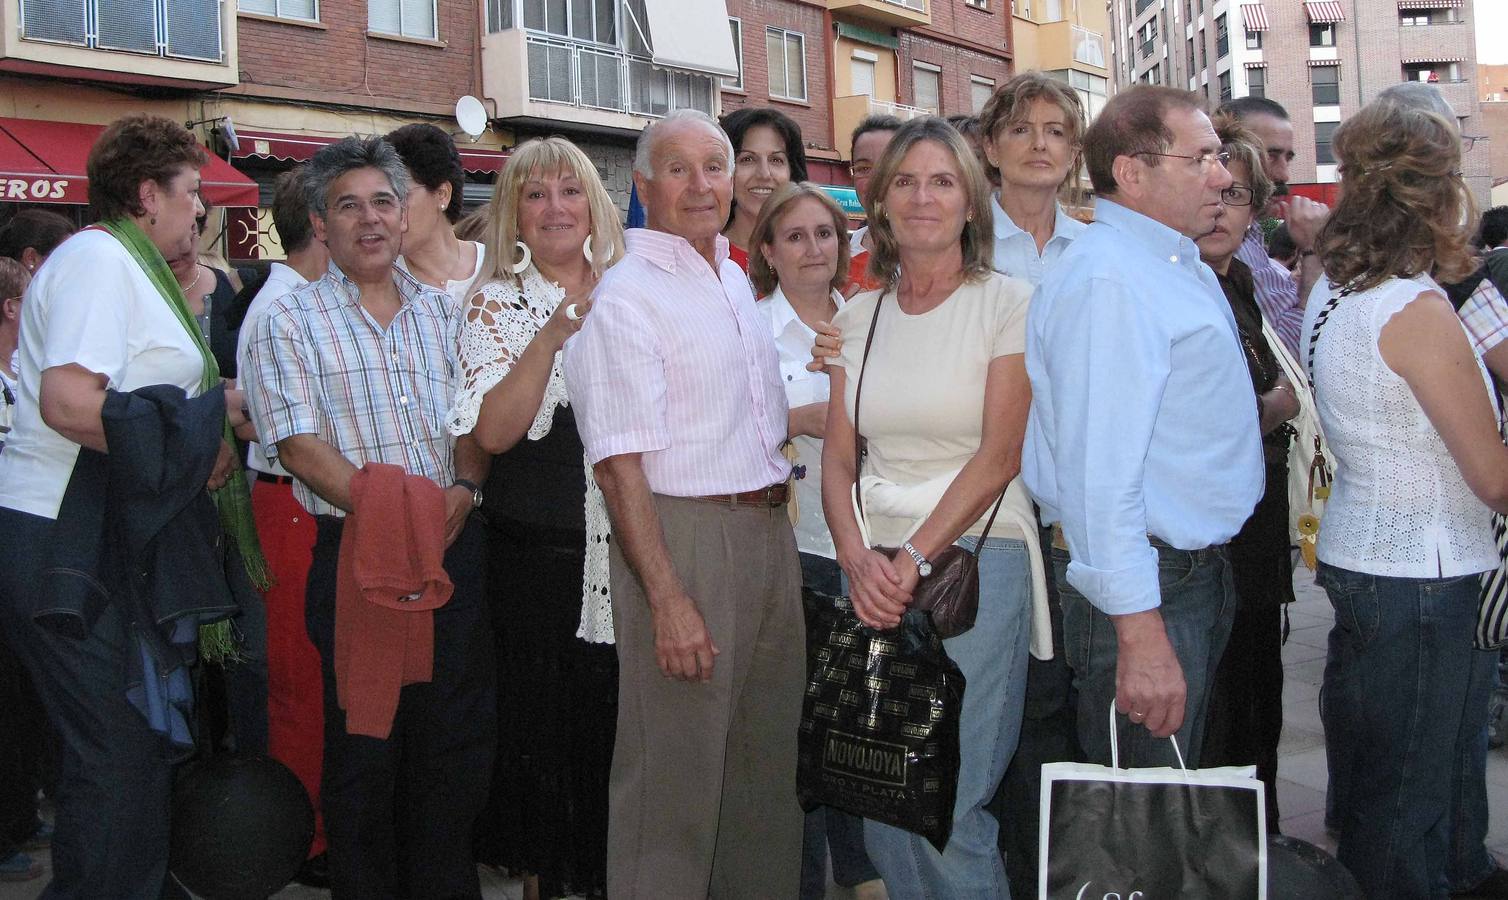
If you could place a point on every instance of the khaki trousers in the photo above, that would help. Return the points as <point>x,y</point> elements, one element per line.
<point>703,789</point>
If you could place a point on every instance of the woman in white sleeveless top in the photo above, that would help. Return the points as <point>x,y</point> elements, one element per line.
<point>1411,421</point>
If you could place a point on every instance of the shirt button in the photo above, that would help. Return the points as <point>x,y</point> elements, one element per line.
<point>1173,259</point>
<point>790,378</point>
<point>403,400</point>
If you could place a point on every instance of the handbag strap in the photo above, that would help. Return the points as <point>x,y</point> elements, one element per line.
<point>1319,322</point>
<point>858,458</point>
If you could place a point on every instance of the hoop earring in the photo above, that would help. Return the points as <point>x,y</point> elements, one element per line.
<point>586,249</point>
<point>523,264</point>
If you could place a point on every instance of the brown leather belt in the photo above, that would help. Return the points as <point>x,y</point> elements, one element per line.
<point>765,497</point>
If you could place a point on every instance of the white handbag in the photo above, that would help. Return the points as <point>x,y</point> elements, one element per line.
<point>1309,468</point>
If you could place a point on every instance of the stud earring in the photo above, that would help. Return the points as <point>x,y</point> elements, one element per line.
<point>525,259</point>
<point>152,221</point>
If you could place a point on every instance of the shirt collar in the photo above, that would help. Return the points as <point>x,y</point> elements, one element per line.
<point>1064,226</point>
<point>409,288</point>
<point>782,313</point>
<point>1157,238</point>
<point>668,250</point>
<point>285,273</point>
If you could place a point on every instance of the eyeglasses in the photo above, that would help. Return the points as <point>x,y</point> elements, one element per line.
<point>1236,195</point>
<point>1204,159</point>
<point>1469,141</point>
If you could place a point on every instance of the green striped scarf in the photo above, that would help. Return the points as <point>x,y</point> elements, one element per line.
<point>233,500</point>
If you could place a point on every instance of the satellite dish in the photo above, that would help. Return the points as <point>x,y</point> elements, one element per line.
<point>471,116</point>
<point>228,131</point>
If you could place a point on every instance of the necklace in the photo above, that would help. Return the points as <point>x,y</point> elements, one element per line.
<point>198,274</point>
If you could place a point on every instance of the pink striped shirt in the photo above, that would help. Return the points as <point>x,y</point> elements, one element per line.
<point>675,363</point>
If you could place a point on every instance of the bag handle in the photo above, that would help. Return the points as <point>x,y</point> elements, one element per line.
<point>1115,749</point>
<point>858,395</point>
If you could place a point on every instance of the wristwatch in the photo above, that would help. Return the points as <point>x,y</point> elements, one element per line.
<point>923,568</point>
<point>476,491</point>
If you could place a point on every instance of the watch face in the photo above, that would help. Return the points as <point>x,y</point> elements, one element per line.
<point>924,569</point>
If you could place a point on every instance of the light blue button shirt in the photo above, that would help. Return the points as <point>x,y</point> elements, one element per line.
<point>1016,250</point>
<point>1143,419</point>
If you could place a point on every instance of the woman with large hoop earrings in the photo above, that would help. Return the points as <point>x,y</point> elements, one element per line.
<point>554,231</point>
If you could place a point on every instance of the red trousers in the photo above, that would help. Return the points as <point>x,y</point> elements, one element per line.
<point>295,687</point>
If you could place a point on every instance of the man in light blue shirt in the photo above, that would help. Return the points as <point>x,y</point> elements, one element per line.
<point>1143,440</point>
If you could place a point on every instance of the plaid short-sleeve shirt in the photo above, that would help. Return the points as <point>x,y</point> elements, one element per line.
<point>325,367</point>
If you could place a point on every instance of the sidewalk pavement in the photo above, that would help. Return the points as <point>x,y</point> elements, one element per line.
<point>1301,756</point>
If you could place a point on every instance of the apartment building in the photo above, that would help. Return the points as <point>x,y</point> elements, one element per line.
<point>1492,94</point>
<point>1067,40</point>
<point>1321,59</point>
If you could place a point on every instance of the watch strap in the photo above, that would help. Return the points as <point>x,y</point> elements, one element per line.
<point>468,485</point>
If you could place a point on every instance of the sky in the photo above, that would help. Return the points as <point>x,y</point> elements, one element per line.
<point>1492,31</point>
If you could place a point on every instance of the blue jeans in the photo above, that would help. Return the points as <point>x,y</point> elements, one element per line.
<point>830,830</point>
<point>1469,860</point>
<point>993,657</point>
<point>1396,687</point>
<point>1198,607</point>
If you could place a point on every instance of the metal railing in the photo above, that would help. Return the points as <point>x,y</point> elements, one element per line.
<point>918,5</point>
<point>593,76</point>
<point>899,110</point>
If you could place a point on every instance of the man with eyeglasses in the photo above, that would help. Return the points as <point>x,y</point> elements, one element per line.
<point>1143,446</point>
<point>1281,294</point>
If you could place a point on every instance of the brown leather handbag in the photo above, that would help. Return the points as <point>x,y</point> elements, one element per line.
<point>951,592</point>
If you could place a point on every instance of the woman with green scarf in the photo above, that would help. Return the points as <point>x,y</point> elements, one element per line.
<point>105,313</point>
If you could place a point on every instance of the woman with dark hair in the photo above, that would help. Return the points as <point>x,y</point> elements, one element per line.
<point>944,407</point>
<point>767,152</point>
<point>32,234</point>
<point>1410,418</point>
<point>431,251</point>
<point>210,294</point>
<point>103,320</point>
<point>1246,701</point>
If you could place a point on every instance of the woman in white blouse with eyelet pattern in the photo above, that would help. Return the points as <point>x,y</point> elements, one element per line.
<point>1408,412</point>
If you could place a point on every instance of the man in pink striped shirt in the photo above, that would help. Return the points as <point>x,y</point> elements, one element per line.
<point>676,384</point>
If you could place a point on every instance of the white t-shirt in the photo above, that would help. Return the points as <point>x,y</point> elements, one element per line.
<point>459,290</point>
<point>923,409</point>
<point>90,306</point>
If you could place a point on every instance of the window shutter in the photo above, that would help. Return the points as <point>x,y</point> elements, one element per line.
<point>54,20</point>
<point>194,29</point>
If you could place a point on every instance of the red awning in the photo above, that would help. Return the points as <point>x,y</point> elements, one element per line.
<point>1323,63</point>
<point>46,162</point>
<point>1255,16</point>
<point>1324,12</point>
<point>1430,4</point>
<point>1256,65</point>
<point>299,147</point>
<point>1416,60</point>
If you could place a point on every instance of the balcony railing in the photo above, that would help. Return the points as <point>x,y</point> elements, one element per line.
<point>184,29</point>
<point>1146,47</point>
<point>598,77</point>
<point>918,5</point>
<point>899,110</point>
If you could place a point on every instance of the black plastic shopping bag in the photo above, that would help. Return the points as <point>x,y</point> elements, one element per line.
<point>1151,833</point>
<point>879,724</point>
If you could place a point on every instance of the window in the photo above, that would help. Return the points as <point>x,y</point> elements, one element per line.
<point>1256,82</point>
<point>786,51</point>
<point>186,29</point>
<point>1224,86</point>
<point>981,89</point>
<point>861,72</point>
<point>1254,40</point>
<point>926,87</point>
<point>1192,70</point>
<point>583,20</point>
<point>1440,72</point>
<point>499,15</point>
<point>307,10</point>
<point>1092,89</point>
<point>1428,16</point>
<point>1188,10</point>
<point>1322,34</point>
<point>1148,34</point>
<point>1203,59</point>
<point>1052,10</point>
<point>978,4</point>
<point>737,27</point>
<point>1222,38</point>
<point>407,18</point>
<point>1322,134</point>
<point>1324,81</point>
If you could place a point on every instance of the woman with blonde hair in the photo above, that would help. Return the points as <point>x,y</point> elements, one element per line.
<point>553,233</point>
<point>944,403</point>
<point>1409,415</point>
